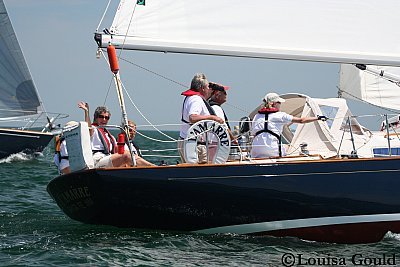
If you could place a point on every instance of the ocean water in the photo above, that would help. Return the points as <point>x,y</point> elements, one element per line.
<point>35,232</point>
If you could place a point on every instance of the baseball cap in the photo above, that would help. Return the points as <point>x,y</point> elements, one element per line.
<point>273,97</point>
<point>217,87</point>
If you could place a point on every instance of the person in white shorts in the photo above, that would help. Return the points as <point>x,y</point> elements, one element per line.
<point>104,144</point>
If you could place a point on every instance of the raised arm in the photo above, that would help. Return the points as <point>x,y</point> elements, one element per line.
<point>85,106</point>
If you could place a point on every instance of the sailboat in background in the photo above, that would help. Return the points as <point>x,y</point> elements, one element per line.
<point>21,111</point>
<point>335,191</point>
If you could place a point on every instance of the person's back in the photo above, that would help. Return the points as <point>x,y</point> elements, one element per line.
<point>265,144</point>
<point>267,127</point>
<point>61,154</point>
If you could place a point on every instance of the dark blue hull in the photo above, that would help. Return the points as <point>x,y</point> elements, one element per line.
<point>14,141</point>
<point>296,199</point>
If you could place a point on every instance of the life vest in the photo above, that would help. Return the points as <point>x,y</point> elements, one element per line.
<point>139,153</point>
<point>57,147</point>
<point>109,148</point>
<point>191,92</point>
<point>268,111</point>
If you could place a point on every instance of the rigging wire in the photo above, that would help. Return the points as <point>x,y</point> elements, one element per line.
<point>340,91</point>
<point>173,81</point>
<point>144,117</point>
<point>155,73</point>
<point>104,14</point>
<point>174,140</point>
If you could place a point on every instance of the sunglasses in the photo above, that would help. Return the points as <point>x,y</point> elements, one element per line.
<point>104,117</point>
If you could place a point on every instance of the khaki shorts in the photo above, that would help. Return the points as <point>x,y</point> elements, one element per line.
<point>102,160</point>
<point>180,149</point>
<point>202,154</point>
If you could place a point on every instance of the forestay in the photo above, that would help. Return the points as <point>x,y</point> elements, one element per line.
<point>347,31</point>
<point>18,95</point>
<point>369,87</point>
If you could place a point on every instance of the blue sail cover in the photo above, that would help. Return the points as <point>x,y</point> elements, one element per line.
<point>18,95</point>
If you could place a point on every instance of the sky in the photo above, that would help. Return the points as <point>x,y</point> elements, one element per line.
<point>56,37</point>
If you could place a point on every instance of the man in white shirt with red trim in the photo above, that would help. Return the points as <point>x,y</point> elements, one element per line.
<point>195,108</point>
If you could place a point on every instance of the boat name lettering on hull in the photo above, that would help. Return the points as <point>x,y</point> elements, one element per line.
<point>76,198</point>
<point>212,128</point>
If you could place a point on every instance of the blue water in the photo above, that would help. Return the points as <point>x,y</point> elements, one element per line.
<point>34,232</point>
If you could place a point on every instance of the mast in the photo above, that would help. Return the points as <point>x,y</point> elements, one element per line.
<point>112,57</point>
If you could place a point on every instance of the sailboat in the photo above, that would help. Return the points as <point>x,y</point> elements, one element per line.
<point>21,110</point>
<point>335,189</point>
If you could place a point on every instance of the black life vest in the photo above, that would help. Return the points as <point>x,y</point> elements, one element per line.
<point>57,147</point>
<point>139,153</point>
<point>266,112</point>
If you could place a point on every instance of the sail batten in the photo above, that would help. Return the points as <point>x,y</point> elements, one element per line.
<point>19,96</point>
<point>348,31</point>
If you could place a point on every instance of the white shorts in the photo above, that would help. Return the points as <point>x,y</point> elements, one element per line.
<point>64,163</point>
<point>102,160</point>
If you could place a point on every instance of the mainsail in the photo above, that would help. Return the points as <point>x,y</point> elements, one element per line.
<point>346,31</point>
<point>18,95</point>
<point>371,86</point>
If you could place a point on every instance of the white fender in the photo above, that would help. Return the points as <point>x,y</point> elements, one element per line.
<point>79,147</point>
<point>221,136</point>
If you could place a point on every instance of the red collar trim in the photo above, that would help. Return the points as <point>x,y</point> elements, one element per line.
<point>190,92</point>
<point>265,110</point>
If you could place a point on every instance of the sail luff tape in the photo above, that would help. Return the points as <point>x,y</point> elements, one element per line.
<point>112,58</point>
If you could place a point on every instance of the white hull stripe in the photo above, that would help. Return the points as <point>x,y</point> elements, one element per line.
<point>20,135</point>
<point>300,223</point>
<point>278,175</point>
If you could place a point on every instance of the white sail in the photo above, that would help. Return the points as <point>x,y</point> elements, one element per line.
<point>377,85</point>
<point>18,95</point>
<point>347,31</point>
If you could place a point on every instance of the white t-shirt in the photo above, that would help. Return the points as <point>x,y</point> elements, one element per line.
<point>194,105</point>
<point>265,144</point>
<point>134,151</point>
<point>218,111</point>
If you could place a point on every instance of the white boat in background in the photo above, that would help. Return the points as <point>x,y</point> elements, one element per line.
<point>334,189</point>
<point>21,110</point>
